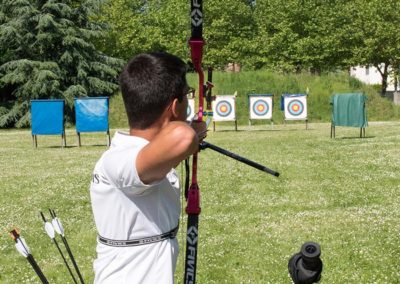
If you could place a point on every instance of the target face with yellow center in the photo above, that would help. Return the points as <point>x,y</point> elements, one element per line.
<point>261,107</point>
<point>224,108</point>
<point>190,110</point>
<point>296,107</point>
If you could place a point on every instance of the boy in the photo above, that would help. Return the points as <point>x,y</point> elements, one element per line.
<point>135,190</point>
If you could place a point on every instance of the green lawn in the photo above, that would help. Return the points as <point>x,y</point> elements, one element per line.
<point>342,193</point>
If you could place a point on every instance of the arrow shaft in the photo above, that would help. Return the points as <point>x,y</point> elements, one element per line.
<point>65,261</point>
<point>72,259</point>
<point>65,242</point>
<point>37,269</point>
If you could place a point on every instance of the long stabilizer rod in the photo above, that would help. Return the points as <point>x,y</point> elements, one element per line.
<point>205,145</point>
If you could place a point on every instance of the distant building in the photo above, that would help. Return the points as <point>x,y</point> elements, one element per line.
<point>370,75</point>
<point>233,67</point>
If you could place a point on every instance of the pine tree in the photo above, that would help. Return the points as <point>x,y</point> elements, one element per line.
<point>47,51</point>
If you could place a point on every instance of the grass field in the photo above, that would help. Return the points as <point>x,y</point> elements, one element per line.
<point>342,193</point>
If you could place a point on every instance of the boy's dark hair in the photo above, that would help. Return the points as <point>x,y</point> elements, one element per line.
<point>149,83</point>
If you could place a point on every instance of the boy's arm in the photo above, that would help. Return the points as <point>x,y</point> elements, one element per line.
<point>174,143</point>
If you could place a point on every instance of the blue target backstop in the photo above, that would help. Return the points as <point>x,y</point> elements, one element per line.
<point>91,115</point>
<point>47,118</point>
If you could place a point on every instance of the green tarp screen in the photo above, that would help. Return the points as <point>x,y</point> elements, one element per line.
<point>349,110</point>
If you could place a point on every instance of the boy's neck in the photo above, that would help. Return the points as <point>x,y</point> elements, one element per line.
<point>148,133</point>
<point>152,131</point>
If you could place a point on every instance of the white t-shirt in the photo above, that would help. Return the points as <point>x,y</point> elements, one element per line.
<point>125,208</point>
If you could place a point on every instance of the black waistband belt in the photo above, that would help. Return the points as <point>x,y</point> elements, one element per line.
<point>138,242</point>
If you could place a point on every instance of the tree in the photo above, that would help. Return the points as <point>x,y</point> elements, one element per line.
<point>140,26</point>
<point>378,36</point>
<point>228,29</point>
<point>49,54</point>
<point>137,26</point>
<point>311,35</point>
<point>289,36</point>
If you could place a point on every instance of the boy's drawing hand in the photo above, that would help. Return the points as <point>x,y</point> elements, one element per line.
<point>200,128</point>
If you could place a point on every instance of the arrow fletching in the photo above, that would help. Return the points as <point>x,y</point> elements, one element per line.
<point>56,223</point>
<point>48,227</point>
<point>22,247</point>
<point>20,243</point>
<point>49,230</point>
<point>57,226</point>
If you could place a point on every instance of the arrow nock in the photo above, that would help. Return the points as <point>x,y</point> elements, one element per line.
<point>14,234</point>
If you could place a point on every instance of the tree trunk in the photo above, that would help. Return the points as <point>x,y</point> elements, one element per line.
<point>396,76</point>
<point>384,85</point>
<point>383,70</point>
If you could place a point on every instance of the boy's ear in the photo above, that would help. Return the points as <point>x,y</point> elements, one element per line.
<point>174,108</point>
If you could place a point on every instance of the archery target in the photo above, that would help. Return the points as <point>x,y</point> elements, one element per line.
<point>190,110</point>
<point>260,107</point>
<point>296,108</point>
<point>224,108</point>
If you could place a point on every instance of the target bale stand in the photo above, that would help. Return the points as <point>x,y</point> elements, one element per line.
<point>260,106</point>
<point>91,115</point>
<point>295,107</point>
<point>47,118</point>
<point>349,110</point>
<point>224,109</point>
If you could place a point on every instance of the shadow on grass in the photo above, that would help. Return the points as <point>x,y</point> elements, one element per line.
<point>73,146</point>
<point>262,130</point>
<point>93,145</point>
<point>228,130</point>
<point>55,147</point>
<point>355,137</point>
